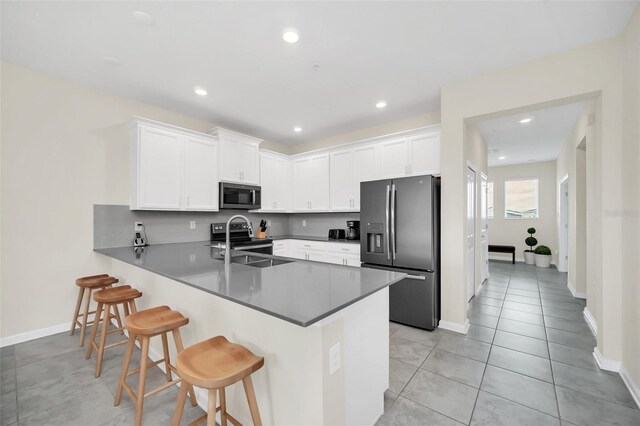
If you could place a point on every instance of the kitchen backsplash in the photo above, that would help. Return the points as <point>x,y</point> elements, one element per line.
<point>113,224</point>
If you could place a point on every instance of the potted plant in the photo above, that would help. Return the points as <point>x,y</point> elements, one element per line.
<point>529,256</point>
<point>543,256</point>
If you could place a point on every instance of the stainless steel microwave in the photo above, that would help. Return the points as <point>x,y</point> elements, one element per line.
<point>238,196</point>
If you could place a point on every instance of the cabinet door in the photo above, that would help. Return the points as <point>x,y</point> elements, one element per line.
<point>394,159</point>
<point>268,182</point>
<point>338,259</point>
<point>297,254</point>
<point>160,162</point>
<point>281,183</point>
<point>230,160</point>
<point>341,184</point>
<point>249,163</point>
<point>364,169</point>
<point>302,184</point>
<point>201,174</point>
<point>317,256</point>
<point>352,260</point>
<point>424,154</point>
<point>318,183</point>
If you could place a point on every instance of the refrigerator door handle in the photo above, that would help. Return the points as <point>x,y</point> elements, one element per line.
<point>386,224</point>
<point>416,277</point>
<point>393,220</point>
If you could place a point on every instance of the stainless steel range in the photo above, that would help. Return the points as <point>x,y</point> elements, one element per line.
<point>240,238</point>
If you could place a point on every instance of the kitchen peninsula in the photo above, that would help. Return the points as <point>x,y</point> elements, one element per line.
<point>322,328</point>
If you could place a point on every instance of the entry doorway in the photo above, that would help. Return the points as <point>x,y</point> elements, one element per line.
<point>471,232</point>
<point>484,228</point>
<point>563,246</point>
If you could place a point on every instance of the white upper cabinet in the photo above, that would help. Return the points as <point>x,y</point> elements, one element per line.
<point>274,180</point>
<point>172,168</point>
<point>365,168</point>
<point>410,156</point>
<point>201,174</point>
<point>240,159</point>
<point>311,183</point>
<point>347,170</point>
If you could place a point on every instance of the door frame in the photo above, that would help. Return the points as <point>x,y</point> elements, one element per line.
<point>484,222</point>
<point>471,285</point>
<point>564,221</point>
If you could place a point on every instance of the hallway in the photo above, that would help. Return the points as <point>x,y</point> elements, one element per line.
<point>527,359</point>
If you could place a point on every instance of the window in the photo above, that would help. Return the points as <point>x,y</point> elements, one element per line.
<point>490,200</point>
<point>521,199</point>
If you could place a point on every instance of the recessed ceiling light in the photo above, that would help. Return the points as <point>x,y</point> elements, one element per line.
<point>297,129</point>
<point>526,120</point>
<point>142,17</point>
<point>290,35</point>
<point>381,104</point>
<point>501,157</point>
<point>200,91</point>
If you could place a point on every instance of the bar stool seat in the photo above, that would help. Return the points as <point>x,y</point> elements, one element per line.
<point>214,364</point>
<point>144,325</point>
<point>107,299</point>
<point>151,322</point>
<point>88,285</point>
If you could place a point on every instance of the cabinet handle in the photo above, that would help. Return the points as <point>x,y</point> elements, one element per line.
<point>307,245</point>
<point>345,249</point>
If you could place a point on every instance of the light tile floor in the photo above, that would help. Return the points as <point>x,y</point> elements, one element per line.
<point>526,360</point>
<point>49,382</point>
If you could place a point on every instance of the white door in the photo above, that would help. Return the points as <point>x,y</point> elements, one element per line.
<point>281,183</point>
<point>424,154</point>
<point>336,258</point>
<point>161,155</point>
<point>484,227</point>
<point>201,174</point>
<point>471,232</point>
<point>393,159</point>
<point>364,169</point>
<point>317,186</point>
<point>249,163</point>
<point>563,249</point>
<point>230,160</point>
<point>302,184</point>
<point>341,181</point>
<point>268,182</point>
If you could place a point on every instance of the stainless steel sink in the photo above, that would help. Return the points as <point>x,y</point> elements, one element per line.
<point>258,262</point>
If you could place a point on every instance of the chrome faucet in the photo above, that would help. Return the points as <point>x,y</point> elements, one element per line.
<point>227,247</point>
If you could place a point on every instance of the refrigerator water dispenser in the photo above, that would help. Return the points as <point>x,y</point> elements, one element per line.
<point>375,238</point>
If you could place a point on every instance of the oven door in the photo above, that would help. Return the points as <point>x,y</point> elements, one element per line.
<point>237,196</point>
<point>264,248</point>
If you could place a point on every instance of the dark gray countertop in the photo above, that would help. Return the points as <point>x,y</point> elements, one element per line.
<point>308,238</point>
<point>301,292</point>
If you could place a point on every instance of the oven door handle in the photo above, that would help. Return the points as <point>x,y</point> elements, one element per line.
<point>258,246</point>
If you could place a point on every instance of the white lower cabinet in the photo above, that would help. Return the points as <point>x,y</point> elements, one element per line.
<point>319,251</point>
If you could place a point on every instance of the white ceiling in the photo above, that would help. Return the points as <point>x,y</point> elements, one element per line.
<point>539,140</point>
<point>402,52</point>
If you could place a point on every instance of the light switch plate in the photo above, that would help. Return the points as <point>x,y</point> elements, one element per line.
<point>334,359</point>
<point>137,227</point>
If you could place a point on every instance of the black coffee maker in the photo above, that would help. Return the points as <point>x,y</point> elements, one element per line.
<point>353,230</point>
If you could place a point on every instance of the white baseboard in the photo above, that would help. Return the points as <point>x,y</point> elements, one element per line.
<point>633,387</point>
<point>591,321</point>
<point>605,363</point>
<point>35,334</point>
<point>575,293</point>
<point>454,326</point>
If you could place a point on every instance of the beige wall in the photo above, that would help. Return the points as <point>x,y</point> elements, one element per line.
<point>631,200</point>
<point>65,147</point>
<point>514,231</point>
<point>422,120</point>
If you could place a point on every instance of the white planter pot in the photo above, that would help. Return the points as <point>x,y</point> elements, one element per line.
<point>529,258</point>
<point>543,260</point>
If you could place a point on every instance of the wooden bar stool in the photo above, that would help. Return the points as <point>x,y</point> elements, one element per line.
<point>143,325</point>
<point>110,298</point>
<point>213,365</point>
<point>91,283</point>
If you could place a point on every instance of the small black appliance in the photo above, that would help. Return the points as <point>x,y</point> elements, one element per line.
<point>337,234</point>
<point>353,230</point>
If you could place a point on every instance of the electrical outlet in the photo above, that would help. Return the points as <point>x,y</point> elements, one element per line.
<point>304,223</point>
<point>192,258</point>
<point>192,224</point>
<point>269,223</point>
<point>334,359</point>
<point>137,226</point>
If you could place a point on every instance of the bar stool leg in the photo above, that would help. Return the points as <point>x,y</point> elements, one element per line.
<point>182,397</point>
<point>178,340</point>
<point>223,407</point>
<point>94,331</point>
<point>167,360</point>
<point>142,380</point>
<point>211,409</point>
<point>103,337</point>
<point>125,368</point>
<point>116,313</point>
<point>85,317</point>
<point>76,312</point>
<point>251,398</point>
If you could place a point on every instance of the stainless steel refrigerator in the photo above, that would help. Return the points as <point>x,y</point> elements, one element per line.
<point>400,231</point>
